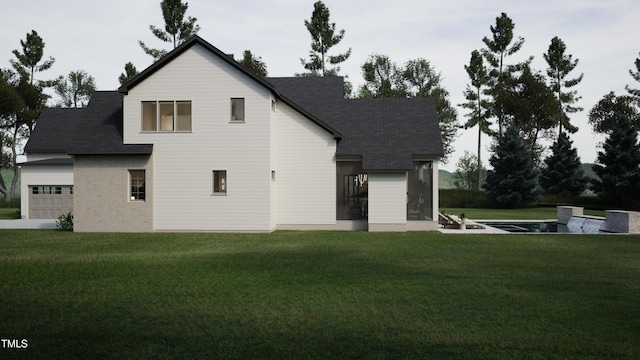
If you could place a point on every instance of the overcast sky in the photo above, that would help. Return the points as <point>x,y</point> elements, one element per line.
<point>101,36</point>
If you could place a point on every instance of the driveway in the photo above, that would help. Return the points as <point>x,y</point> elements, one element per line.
<point>28,224</point>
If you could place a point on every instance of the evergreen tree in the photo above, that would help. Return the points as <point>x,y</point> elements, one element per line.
<point>479,107</point>
<point>560,65</point>
<point>514,178</point>
<point>563,174</point>
<point>635,74</point>
<point>29,59</point>
<point>499,46</point>
<point>619,166</point>
<point>323,37</point>
<point>129,72</point>
<point>176,29</point>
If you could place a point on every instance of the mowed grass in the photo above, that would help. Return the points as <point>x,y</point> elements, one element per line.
<point>9,213</point>
<point>320,295</point>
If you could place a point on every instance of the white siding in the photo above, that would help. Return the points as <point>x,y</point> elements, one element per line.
<point>183,162</point>
<point>387,198</point>
<point>41,175</point>
<point>306,171</point>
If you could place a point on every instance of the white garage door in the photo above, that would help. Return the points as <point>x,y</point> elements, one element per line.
<point>49,202</point>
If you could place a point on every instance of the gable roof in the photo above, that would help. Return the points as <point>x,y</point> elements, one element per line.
<point>100,131</point>
<point>386,132</point>
<point>55,129</point>
<point>196,40</point>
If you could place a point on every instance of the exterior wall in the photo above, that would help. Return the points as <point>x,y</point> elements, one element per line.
<point>184,161</point>
<point>387,201</point>
<point>436,192</point>
<point>305,172</point>
<point>102,195</point>
<point>41,175</point>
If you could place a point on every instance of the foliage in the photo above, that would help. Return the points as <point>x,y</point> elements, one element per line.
<point>466,174</point>
<point>563,173</point>
<point>176,30</point>
<point>417,78</point>
<point>619,166</point>
<point>8,212</point>
<point>20,105</point>
<point>528,103</point>
<point>560,65</point>
<point>498,47</point>
<point>460,198</point>
<point>65,222</point>
<point>76,90</point>
<point>604,114</point>
<point>382,78</point>
<point>514,178</point>
<point>304,295</point>
<point>29,59</point>
<point>254,63</point>
<point>129,73</point>
<point>323,37</point>
<point>635,74</point>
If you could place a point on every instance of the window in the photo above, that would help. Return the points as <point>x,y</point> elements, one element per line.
<point>219,181</point>
<point>166,116</point>
<point>237,109</point>
<point>136,181</point>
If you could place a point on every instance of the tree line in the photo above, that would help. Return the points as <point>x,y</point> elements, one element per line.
<point>516,105</point>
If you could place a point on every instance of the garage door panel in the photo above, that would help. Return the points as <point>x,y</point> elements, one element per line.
<point>49,202</point>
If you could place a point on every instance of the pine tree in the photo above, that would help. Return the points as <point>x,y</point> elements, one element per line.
<point>514,178</point>
<point>323,37</point>
<point>563,174</point>
<point>619,166</point>
<point>176,30</point>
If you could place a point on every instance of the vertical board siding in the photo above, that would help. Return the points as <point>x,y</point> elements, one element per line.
<point>387,198</point>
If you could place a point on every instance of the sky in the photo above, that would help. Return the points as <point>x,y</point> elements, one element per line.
<point>99,37</point>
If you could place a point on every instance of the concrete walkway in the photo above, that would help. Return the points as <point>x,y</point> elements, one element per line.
<point>28,224</point>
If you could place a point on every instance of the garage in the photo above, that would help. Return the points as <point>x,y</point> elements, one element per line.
<point>50,201</point>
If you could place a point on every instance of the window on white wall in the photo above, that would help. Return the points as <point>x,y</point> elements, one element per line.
<point>137,185</point>
<point>219,181</point>
<point>237,109</point>
<point>166,116</point>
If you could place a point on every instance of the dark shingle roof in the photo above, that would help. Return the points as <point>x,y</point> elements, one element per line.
<point>386,132</point>
<point>54,130</point>
<point>100,132</point>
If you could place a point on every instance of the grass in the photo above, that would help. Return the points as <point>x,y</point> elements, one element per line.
<point>9,213</point>
<point>315,295</point>
<point>535,213</point>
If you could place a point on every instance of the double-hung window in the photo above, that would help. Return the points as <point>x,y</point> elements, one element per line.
<point>166,116</point>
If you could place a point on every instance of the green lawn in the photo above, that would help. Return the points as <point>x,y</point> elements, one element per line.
<point>319,295</point>
<point>535,213</point>
<point>9,213</point>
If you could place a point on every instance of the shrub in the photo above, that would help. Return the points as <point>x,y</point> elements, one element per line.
<point>65,222</point>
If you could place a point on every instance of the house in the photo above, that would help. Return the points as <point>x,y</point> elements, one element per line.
<point>196,142</point>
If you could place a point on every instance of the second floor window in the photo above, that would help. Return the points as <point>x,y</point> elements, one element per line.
<point>237,109</point>
<point>166,116</point>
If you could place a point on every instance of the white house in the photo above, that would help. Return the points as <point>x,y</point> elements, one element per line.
<point>196,142</point>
